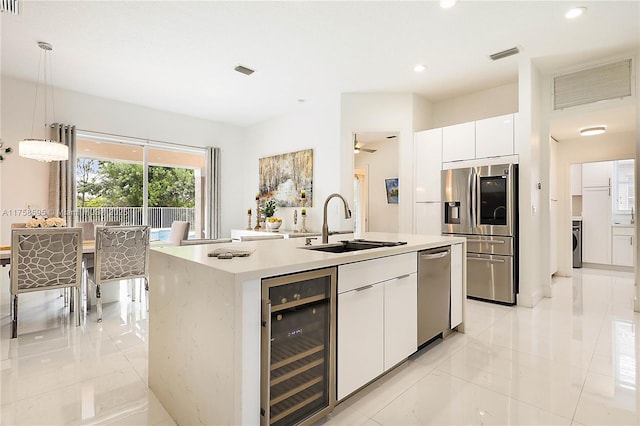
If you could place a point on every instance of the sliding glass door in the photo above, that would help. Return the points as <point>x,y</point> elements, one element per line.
<point>134,184</point>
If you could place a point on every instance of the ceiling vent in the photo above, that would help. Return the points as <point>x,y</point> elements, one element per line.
<point>11,6</point>
<point>244,70</point>
<point>505,53</point>
<point>610,81</point>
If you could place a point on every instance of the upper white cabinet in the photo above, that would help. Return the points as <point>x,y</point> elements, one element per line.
<point>576,179</point>
<point>597,174</point>
<point>495,136</point>
<point>459,142</point>
<point>428,164</point>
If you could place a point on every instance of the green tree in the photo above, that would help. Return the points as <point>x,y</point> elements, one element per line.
<point>87,185</point>
<point>121,183</point>
<point>171,187</point>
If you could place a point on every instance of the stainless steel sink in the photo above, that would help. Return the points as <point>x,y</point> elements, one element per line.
<point>352,245</point>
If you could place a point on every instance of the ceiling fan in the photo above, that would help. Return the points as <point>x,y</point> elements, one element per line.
<point>357,146</point>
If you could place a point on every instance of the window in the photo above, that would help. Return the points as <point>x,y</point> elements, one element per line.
<point>623,186</point>
<point>140,183</point>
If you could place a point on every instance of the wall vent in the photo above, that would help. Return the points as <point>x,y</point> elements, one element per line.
<point>610,81</point>
<point>244,70</point>
<point>11,6</point>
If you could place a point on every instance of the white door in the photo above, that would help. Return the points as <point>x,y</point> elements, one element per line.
<point>428,217</point>
<point>596,225</point>
<point>400,319</point>
<point>428,164</point>
<point>360,337</point>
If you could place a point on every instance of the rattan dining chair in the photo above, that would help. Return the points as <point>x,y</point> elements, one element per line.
<point>45,259</point>
<point>121,253</point>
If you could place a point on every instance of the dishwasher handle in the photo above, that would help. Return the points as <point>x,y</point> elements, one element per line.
<point>438,255</point>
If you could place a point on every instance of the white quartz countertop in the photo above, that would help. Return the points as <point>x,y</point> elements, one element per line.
<point>276,257</point>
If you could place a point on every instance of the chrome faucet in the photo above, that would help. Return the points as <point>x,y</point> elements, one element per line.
<point>325,227</point>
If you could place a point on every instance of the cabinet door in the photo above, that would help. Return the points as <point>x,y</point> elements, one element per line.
<point>459,142</point>
<point>596,225</point>
<point>596,174</point>
<point>494,136</point>
<point>576,179</point>
<point>360,337</point>
<point>428,164</point>
<point>428,218</point>
<point>457,297</point>
<point>622,250</point>
<point>400,319</point>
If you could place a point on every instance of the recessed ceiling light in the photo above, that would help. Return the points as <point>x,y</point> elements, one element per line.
<point>575,12</point>
<point>419,68</point>
<point>446,4</point>
<point>595,130</point>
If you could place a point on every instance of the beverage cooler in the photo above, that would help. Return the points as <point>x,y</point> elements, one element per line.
<point>298,347</point>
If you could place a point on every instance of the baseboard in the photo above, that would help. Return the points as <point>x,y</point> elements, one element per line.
<point>607,267</point>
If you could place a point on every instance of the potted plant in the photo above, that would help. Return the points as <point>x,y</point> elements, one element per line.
<point>268,210</point>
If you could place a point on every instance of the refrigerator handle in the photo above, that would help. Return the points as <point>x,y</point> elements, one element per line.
<point>473,201</point>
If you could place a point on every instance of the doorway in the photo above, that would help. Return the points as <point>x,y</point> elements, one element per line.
<point>602,205</point>
<point>376,162</point>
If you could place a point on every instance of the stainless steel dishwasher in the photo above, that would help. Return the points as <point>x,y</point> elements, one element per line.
<point>434,292</point>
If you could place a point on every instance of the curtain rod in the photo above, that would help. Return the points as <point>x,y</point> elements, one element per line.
<point>141,141</point>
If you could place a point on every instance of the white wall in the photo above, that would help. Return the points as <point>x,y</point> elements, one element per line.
<point>314,124</point>
<point>382,164</point>
<point>608,146</point>
<point>531,133</point>
<point>476,106</point>
<point>25,182</point>
<point>381,112</point>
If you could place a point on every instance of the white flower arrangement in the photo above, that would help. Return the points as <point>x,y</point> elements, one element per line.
<point>46,222</point>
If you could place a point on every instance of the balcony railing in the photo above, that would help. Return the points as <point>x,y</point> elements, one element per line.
<point>159,217</point>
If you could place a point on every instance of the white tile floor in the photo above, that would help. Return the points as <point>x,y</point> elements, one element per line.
<point>570,360</point>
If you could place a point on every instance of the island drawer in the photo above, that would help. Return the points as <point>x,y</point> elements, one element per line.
<point>355,275</point>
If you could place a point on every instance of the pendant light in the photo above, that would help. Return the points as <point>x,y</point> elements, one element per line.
<point>43,149</point>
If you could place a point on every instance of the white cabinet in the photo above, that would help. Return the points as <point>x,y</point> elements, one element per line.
<point>495,136</point>
<point>597,174</point>
<point>400,319</point>
<point>622,246</point>
<point>459,142</point>
<point>428,164</point>
<point>457,289</point>
<point>576,179</point>
<point>360,337</point>
<point>377,318</point>
<point>428,218</point>
<point>596,224</point>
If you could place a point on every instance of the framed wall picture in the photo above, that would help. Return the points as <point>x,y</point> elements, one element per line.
<point>391,187</point>
<point>286,178</point>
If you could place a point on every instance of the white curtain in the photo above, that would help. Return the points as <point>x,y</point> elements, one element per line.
<point>212,209</point>
<point>62,176</point>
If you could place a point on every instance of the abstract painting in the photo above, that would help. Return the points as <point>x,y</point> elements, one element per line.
<point>283,177</point>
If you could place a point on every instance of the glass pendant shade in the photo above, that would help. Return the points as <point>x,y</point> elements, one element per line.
<point>43,150</point>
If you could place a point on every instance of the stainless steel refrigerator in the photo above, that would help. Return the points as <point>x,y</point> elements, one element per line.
<point>481,204</point>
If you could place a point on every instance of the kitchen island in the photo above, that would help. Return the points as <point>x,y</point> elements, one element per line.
<point>205,319</point>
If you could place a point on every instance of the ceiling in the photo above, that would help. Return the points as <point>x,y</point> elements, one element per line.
<point>179,56</point>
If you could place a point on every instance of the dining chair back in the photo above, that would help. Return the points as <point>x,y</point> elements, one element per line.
<point>45,259</point>
<point>179,231</point>
<point>121,252</point>
<point>88,230</point>
<point>200,241</point>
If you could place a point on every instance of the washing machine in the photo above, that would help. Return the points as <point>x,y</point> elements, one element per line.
<point>577,243</point>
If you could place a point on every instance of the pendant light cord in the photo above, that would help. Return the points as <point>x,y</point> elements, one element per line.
<point>35,102</point>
